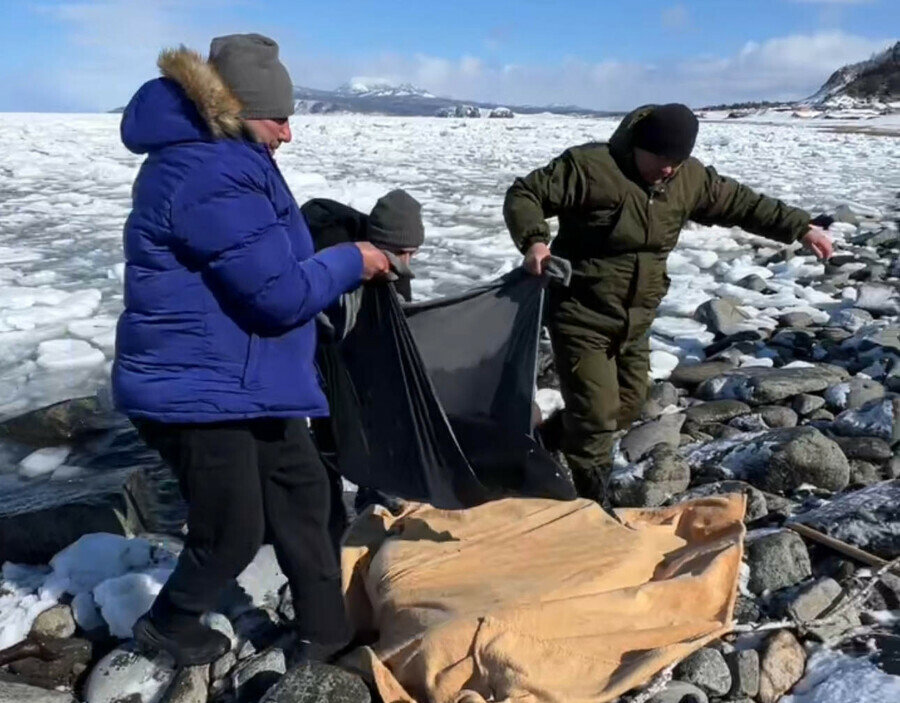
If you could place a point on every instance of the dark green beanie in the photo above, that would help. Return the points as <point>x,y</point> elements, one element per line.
<point>395,222</point>
<point>249,65</point>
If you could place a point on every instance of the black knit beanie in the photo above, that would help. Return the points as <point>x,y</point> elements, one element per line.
<point>395,222</point>
<point>669,131</point>
<point>249,65</point>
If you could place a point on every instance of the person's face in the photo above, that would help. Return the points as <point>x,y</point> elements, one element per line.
<point>272,133</point>
<point>405,255</point>
<point>654,169</point>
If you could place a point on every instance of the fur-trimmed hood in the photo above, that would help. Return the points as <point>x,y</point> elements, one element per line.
<point>190,102</point>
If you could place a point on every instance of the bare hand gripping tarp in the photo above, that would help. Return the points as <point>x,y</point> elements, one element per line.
<point>432,402</point>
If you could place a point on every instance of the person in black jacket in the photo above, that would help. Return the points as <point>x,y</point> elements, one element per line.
<point>395,226</point>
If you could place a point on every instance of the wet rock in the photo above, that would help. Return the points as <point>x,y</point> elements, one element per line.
<point>20,693</point>
<point>716,411</point>
<point>868,518</point>
<point>812,600</point>
<point>254,676</point>
<point>318,683</point>
<point>660,397</point>
<point>782,663</point>
<point>61,423</point>
<point>853,394</point>
<point>756,501</point>
<point>722,316</point>
<point>871,449</point>
<point>766,386</point>
<point>862,473</point>
<point>744,667</point>
<point>664,474</point>
<point>877,418</point>
<point>778,416</point>
<point>806,404</point>
<point>61,664</point>
<point>803,455</point>
<point>689,376</point>
<point>127,675</point>
<point>191,685</point>
<point>55,622</point>
<point>821,415</point>
<point>878,299</point>
<point>800,341</point>
<point>778,560</point>
<point>706,669</point>
<point>746,610</point>
<point>680,692</point>
<point>851,319</point>
<point>754,282</point>
<point>223,666</point>
<point>797,320</point>
<point>640,440</point>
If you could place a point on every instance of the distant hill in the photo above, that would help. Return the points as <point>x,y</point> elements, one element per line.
<point>409,100</point>
<point>874,83</point>
<point>874,80</point>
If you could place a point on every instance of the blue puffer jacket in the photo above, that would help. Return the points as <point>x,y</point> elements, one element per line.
<point>221,281</point>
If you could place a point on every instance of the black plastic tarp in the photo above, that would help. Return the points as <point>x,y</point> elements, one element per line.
<point>433,401</point>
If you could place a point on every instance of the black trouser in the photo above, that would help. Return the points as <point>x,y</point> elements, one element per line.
<point>245,481</point>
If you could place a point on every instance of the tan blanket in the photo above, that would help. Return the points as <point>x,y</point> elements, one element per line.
<point>538,601</point>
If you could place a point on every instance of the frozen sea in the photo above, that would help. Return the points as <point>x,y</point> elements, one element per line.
<point>65,183</point>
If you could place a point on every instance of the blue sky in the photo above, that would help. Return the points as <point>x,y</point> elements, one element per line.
<point>86,55</point>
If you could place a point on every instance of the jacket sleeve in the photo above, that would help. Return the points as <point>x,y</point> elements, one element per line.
<point>543,193</point>
<point>725,202</point>
<point>227,226</point>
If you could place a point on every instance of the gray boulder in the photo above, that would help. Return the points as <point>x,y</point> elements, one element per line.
<point>878,299</point>
<point>812,600</point>
<point>722,316</point>
<point>661,396</point>
<point>803,455</point>
<point>877,418</point>
<point>680,692</point>
<point>716,411</point>
<point>254,676</point>
<point>853,393</point>
<point>706,669</point>
<point>865,448</point>
<point>318,683</point>
<point>868,518</point>
<point>797,320</point>
<point>778,560</point>
<point>744,667</point>
<point>775,416</point>
<point>640,440</point>
<point>191,685</point>
<point>862,473</point>
<point>781,665</point>
<point>767,386</point>
<point>689,376</point>
<point>664,474</point>
<point>20,693</point>
<point>806,404</point>
<point>127,675</point>
<point>754,282</point>
<point>55,622</point>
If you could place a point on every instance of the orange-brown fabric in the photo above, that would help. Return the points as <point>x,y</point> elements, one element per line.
<point>538,601</point>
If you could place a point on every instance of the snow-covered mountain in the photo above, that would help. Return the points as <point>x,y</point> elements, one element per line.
<point>379,98</point>
<point>364,89</point>
<point>876,80</point>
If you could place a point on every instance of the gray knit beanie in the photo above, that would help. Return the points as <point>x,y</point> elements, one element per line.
<point>249,65</point>
<point>395,222</point>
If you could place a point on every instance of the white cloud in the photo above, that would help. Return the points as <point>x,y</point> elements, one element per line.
<point>112,45</point>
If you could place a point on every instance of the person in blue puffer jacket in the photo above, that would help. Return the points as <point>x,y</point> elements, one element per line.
<point>215,350</point>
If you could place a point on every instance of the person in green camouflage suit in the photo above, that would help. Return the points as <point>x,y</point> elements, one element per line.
<point>620,207</point>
